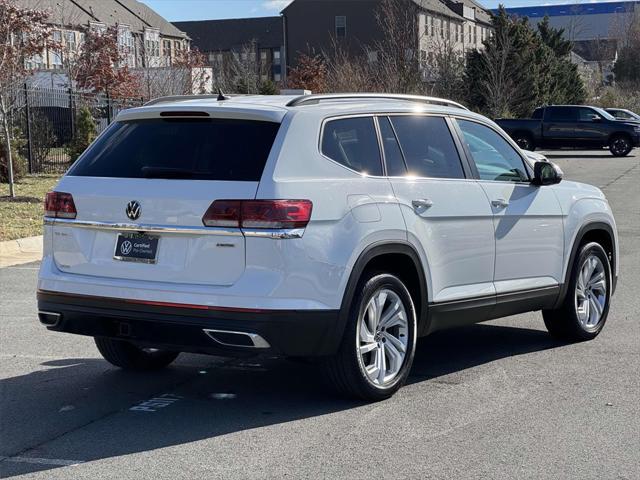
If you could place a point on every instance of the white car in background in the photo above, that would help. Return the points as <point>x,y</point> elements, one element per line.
<point>340,227</point>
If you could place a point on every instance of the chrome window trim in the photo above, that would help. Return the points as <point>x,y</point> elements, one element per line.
<point>382,114</point>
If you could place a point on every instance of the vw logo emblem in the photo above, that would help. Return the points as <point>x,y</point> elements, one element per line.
<point>133,210</point>
<point>126,247</point>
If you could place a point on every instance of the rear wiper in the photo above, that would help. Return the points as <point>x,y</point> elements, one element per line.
<point>167,172</point>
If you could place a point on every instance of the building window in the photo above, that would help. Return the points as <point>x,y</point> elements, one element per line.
<point>70,41</point>
<point>430,26</point>
<point>373,56</point>
<point>276,57</point>
<point>341,26</point>
<point>443,29</point>
<point>56,55</point>
<point>152,46</point>
<point>276,77</point>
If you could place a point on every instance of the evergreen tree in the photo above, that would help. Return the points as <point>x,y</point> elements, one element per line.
<point>521,68</point>
<point>85,133</point>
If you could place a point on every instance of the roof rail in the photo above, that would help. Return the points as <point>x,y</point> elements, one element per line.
<point>177,98</point>
<point>316,99</point>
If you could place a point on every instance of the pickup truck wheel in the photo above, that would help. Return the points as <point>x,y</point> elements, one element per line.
<point>585,308</point>
<point>130,357</point>
<point>620,146</point>
<point>524,141</point>
<point>379,340</point>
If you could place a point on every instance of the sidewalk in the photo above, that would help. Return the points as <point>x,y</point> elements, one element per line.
<point>23,250</point>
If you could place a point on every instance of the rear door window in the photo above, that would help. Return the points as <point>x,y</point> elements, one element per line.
<point>561,114</point>
<point>181,148</point>
<point>428,147</point>
<point>353,142</point>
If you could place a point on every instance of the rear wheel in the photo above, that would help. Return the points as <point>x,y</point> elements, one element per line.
<point>130,357</point>
<point>379,340</point>
<point>524,141</point>
<point>584,312</point>
<point>620,146</point>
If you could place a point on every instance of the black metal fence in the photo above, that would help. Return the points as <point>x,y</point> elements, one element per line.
<point>47,119</point>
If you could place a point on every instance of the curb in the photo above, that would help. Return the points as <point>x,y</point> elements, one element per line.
<point>22,250</point>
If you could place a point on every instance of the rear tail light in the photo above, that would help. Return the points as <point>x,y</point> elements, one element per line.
<point>275,214</point>
<point>59,205</point>
<point>223,213</point>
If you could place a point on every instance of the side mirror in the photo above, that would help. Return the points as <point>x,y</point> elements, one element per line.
<point>546,173</point>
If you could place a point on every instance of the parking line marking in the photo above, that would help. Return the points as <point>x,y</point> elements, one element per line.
<point>155,403</point>
<point>44,461</point>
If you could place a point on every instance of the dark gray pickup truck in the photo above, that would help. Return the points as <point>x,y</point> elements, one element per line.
<point>573,126</point>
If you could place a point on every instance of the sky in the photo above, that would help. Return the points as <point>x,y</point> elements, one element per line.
<point>179,10</point>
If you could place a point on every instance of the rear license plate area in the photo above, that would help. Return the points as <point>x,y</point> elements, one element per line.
<point>136,247</point>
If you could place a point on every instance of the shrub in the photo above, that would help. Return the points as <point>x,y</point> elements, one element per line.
<point>20,165</point>
<point>267,87</point>
<point>85,133</point>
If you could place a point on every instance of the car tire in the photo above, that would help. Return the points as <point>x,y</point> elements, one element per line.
<point>620,146</point>
<point>524,141</point>
<point>379,336</point>
<point>130,357</point>
<point>585,308</point>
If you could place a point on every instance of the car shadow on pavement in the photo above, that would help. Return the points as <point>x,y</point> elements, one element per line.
<point>81,409</point>
<point>570,155</point>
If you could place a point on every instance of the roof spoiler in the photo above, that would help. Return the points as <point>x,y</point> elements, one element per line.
<point>316,99</point>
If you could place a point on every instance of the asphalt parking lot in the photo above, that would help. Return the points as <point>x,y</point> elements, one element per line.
<point>496,400</point>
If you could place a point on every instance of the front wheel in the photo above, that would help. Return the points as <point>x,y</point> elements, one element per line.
<point>620,146</point>
<point>379,340</point>
<point>131,357</point>
<point>584,312</point>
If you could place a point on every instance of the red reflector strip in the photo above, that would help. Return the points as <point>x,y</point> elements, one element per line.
<point>154,303</point>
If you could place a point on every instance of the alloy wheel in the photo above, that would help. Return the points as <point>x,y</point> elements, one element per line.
<point>383,335</point>
<point>591,292</point>
<point>620,146</point>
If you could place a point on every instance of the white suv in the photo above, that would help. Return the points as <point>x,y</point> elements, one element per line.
<point>341,227</point>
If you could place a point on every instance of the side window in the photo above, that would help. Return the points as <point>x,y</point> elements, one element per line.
<point>561,114</point>
<point>428,147</point>
<point>353,143</point>
<point>392,152</point>
<point>494,157</point>
<point>586,115</point>
<point>537,114</point>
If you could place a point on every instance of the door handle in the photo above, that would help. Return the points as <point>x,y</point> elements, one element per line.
<point>500,203</point>
<point>422,203</point>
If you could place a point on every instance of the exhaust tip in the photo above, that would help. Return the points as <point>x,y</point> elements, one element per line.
<point>236,339</point>
<point>49,319</point>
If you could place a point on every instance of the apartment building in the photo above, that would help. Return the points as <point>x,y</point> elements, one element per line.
<point>146,39</point>
<point>222,41</point>
<point>353,25</point>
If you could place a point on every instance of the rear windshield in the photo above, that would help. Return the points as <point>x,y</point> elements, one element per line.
<point>199,149</point>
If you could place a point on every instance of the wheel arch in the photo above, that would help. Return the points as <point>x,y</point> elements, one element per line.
<point>599,232</point>
<point>396,257</point>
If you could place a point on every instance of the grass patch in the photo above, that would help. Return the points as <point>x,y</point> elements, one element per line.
<point>22,216</point>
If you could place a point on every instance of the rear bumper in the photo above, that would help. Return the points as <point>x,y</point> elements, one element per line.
<point>182,327</point>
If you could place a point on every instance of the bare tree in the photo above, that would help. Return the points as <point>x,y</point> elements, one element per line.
<point>397,65</point>
<point>23,35</point>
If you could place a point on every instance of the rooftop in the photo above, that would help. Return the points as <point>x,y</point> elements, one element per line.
<point>222,35</point>
<point>572,9</point>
